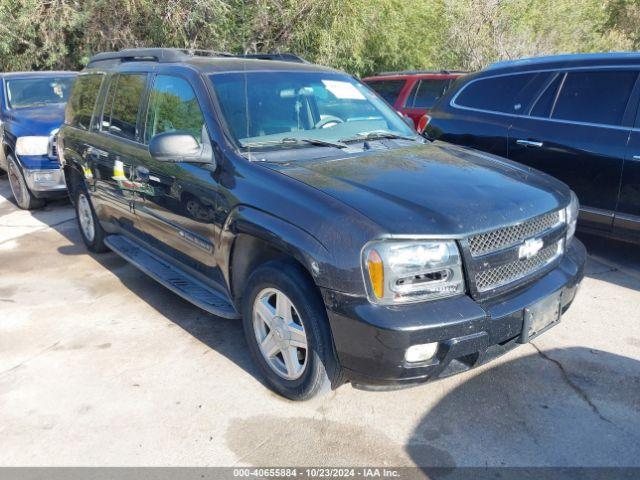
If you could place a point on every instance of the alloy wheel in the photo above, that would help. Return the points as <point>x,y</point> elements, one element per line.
<point>280,333</point>
<point>85,217</point>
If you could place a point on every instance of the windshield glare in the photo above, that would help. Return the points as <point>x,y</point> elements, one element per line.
<point>31,92</point>
<point>267,107</point>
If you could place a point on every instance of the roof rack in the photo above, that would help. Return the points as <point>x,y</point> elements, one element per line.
<point>421,72</point>
<point>285,57</point>
<point>169,55</point>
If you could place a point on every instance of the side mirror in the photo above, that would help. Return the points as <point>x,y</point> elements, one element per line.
<point>180,147</point>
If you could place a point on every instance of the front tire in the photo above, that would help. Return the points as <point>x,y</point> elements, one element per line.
<point>24,198</point>
<point>90,229</point>
<point>287,331</point>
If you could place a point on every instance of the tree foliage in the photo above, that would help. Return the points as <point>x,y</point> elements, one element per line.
<point>360,36</point>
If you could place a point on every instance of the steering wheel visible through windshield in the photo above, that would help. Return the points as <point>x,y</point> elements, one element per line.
<point>32,92</point>
<point>278,108</point>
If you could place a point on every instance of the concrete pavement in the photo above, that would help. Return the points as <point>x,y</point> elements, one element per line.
<point>99,365</point>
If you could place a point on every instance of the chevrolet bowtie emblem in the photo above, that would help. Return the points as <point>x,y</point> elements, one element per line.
<point>530,248</point>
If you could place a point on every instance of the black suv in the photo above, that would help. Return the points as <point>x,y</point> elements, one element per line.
<point>575,117</point>
<point>292,196</point>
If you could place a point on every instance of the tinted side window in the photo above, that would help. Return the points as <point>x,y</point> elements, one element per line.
<point>123,103</point>
<point>595,97</point>
<point>83,99</point>
<point>387,89</point>
<point>544,103</point>
<point>428,91</point>
<point>497,94</point>
<point>173,107</point>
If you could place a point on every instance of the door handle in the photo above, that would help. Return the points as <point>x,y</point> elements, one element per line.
<point>96,152</point>
<point>529,143</point>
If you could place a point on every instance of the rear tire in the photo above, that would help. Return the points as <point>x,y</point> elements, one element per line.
<point>23,196</point>
<point>91,231</point>
<point>287,330</point>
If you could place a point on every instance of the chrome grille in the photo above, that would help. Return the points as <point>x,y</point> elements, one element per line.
<point>510,272</point>
<point>509,236</point>
<point>53,144</point>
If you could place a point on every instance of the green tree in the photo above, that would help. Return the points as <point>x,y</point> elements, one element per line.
<point>360,36</point>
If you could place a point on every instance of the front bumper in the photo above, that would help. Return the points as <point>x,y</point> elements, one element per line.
<point>371,340</point>
<point>44,176</point>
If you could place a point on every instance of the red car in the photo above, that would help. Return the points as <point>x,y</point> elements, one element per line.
<point>414,92</point>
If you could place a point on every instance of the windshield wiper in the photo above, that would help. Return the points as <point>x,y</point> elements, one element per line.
<point>297,141</point>
<point>377,134</point>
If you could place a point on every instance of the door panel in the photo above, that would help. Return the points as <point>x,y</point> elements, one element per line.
<point>575,134</point>
<point>587,158</point>
<point>178,204</point>
<point>115,151</point>
<point>627,217</point>
<point>119,179</point>
<point>490,130</point>
<point>486,109</point>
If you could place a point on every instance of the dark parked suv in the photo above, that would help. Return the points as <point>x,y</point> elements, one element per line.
<point>291,196</point>
<point>575,117</point>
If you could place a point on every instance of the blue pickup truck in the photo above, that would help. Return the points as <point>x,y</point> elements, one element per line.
<point>32,110</point>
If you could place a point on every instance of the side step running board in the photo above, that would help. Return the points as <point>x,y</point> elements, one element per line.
<point>173,278</point>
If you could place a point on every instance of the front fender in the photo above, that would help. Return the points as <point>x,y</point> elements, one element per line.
<point>74,172</point>
<point>278,234</point>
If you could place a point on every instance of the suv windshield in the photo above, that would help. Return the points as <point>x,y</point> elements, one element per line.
<point>265,108</point>
<point>31,92</point>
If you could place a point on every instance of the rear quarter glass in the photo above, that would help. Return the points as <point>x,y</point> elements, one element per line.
<point>83,100</point>
<point>387,89</point>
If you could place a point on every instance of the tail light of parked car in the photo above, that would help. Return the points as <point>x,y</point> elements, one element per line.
<point>422,123</point>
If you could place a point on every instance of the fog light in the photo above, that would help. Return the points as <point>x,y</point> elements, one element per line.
<point>421,353</point>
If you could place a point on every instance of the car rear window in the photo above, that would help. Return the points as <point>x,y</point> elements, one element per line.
<point>83,100</point>
<point>426,92</point>
<point>387,89</point>
<point>496,94</point>
<point>123,104</point>
<point>595,97</point>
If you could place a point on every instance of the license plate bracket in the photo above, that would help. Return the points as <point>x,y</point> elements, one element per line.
<point>541,316</point>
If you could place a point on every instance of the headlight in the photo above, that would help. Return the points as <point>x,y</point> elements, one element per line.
<point>411,271</point>
<point>571,214</point>
<point>26,146</point>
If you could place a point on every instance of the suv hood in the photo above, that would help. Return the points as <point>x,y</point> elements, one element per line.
<point>433,189</point>
<point>36,120</point>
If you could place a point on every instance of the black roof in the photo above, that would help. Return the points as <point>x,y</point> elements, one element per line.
<point>567,60</point>
<point>205,60</point>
